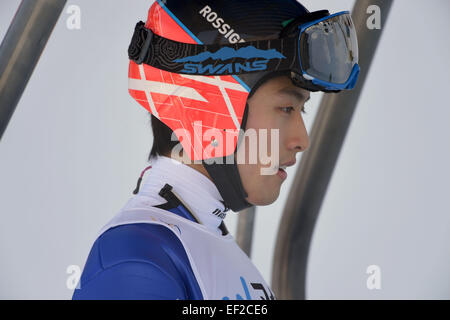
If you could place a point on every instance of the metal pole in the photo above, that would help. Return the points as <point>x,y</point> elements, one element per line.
<point>21,49</point>
<point>317,165</point>
<point>244,233</point>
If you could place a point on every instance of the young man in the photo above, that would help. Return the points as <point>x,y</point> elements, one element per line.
<point>254,74</point>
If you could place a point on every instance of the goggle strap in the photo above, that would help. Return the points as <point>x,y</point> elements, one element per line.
<point>255,56</point>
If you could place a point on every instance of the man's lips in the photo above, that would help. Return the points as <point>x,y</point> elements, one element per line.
<point>282,174</point>
<point>282,168</point>
<point>288,164</point>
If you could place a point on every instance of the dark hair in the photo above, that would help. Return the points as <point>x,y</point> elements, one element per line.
<point>162,143</point>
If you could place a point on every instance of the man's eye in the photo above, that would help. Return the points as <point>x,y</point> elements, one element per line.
<point>288,110</point>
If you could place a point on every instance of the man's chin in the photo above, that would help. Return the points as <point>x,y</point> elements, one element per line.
<point>263,200</point>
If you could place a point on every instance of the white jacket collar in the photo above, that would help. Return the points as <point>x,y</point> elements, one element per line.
<point>195,189</point>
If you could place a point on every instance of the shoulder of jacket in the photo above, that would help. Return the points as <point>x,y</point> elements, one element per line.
<point>146,242</point>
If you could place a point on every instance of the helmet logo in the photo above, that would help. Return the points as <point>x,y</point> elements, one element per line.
<point>228,53</point>
<point>218,23</point>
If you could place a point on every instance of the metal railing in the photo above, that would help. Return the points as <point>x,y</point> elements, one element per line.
<point>21,48</point>
<point>317,164</point>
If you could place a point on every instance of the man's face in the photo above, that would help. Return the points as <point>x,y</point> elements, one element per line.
<point>277,104</point>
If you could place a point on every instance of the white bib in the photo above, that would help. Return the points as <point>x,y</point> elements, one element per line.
<point>221,268</point>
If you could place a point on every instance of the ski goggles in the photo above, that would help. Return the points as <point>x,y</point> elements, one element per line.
<point>320,50</point>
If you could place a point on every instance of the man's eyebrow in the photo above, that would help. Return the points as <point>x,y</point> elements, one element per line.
<point>294,93</point>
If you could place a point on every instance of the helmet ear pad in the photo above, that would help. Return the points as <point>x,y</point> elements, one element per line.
<point>226,173</point>
<point>244,116</point>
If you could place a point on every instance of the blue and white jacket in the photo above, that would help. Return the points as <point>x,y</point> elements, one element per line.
<point>153,250</point>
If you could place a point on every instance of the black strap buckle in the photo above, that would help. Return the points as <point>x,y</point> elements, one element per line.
<point>140,43</point>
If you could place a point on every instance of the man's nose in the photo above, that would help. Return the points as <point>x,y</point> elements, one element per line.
<point>298,139</point>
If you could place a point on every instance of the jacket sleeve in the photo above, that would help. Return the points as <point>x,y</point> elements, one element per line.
<point>131,281</point>
<point>139,262</point>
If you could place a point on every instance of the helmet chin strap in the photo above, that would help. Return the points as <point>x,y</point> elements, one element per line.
<point>226,177</point>
<point>228,181</point>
